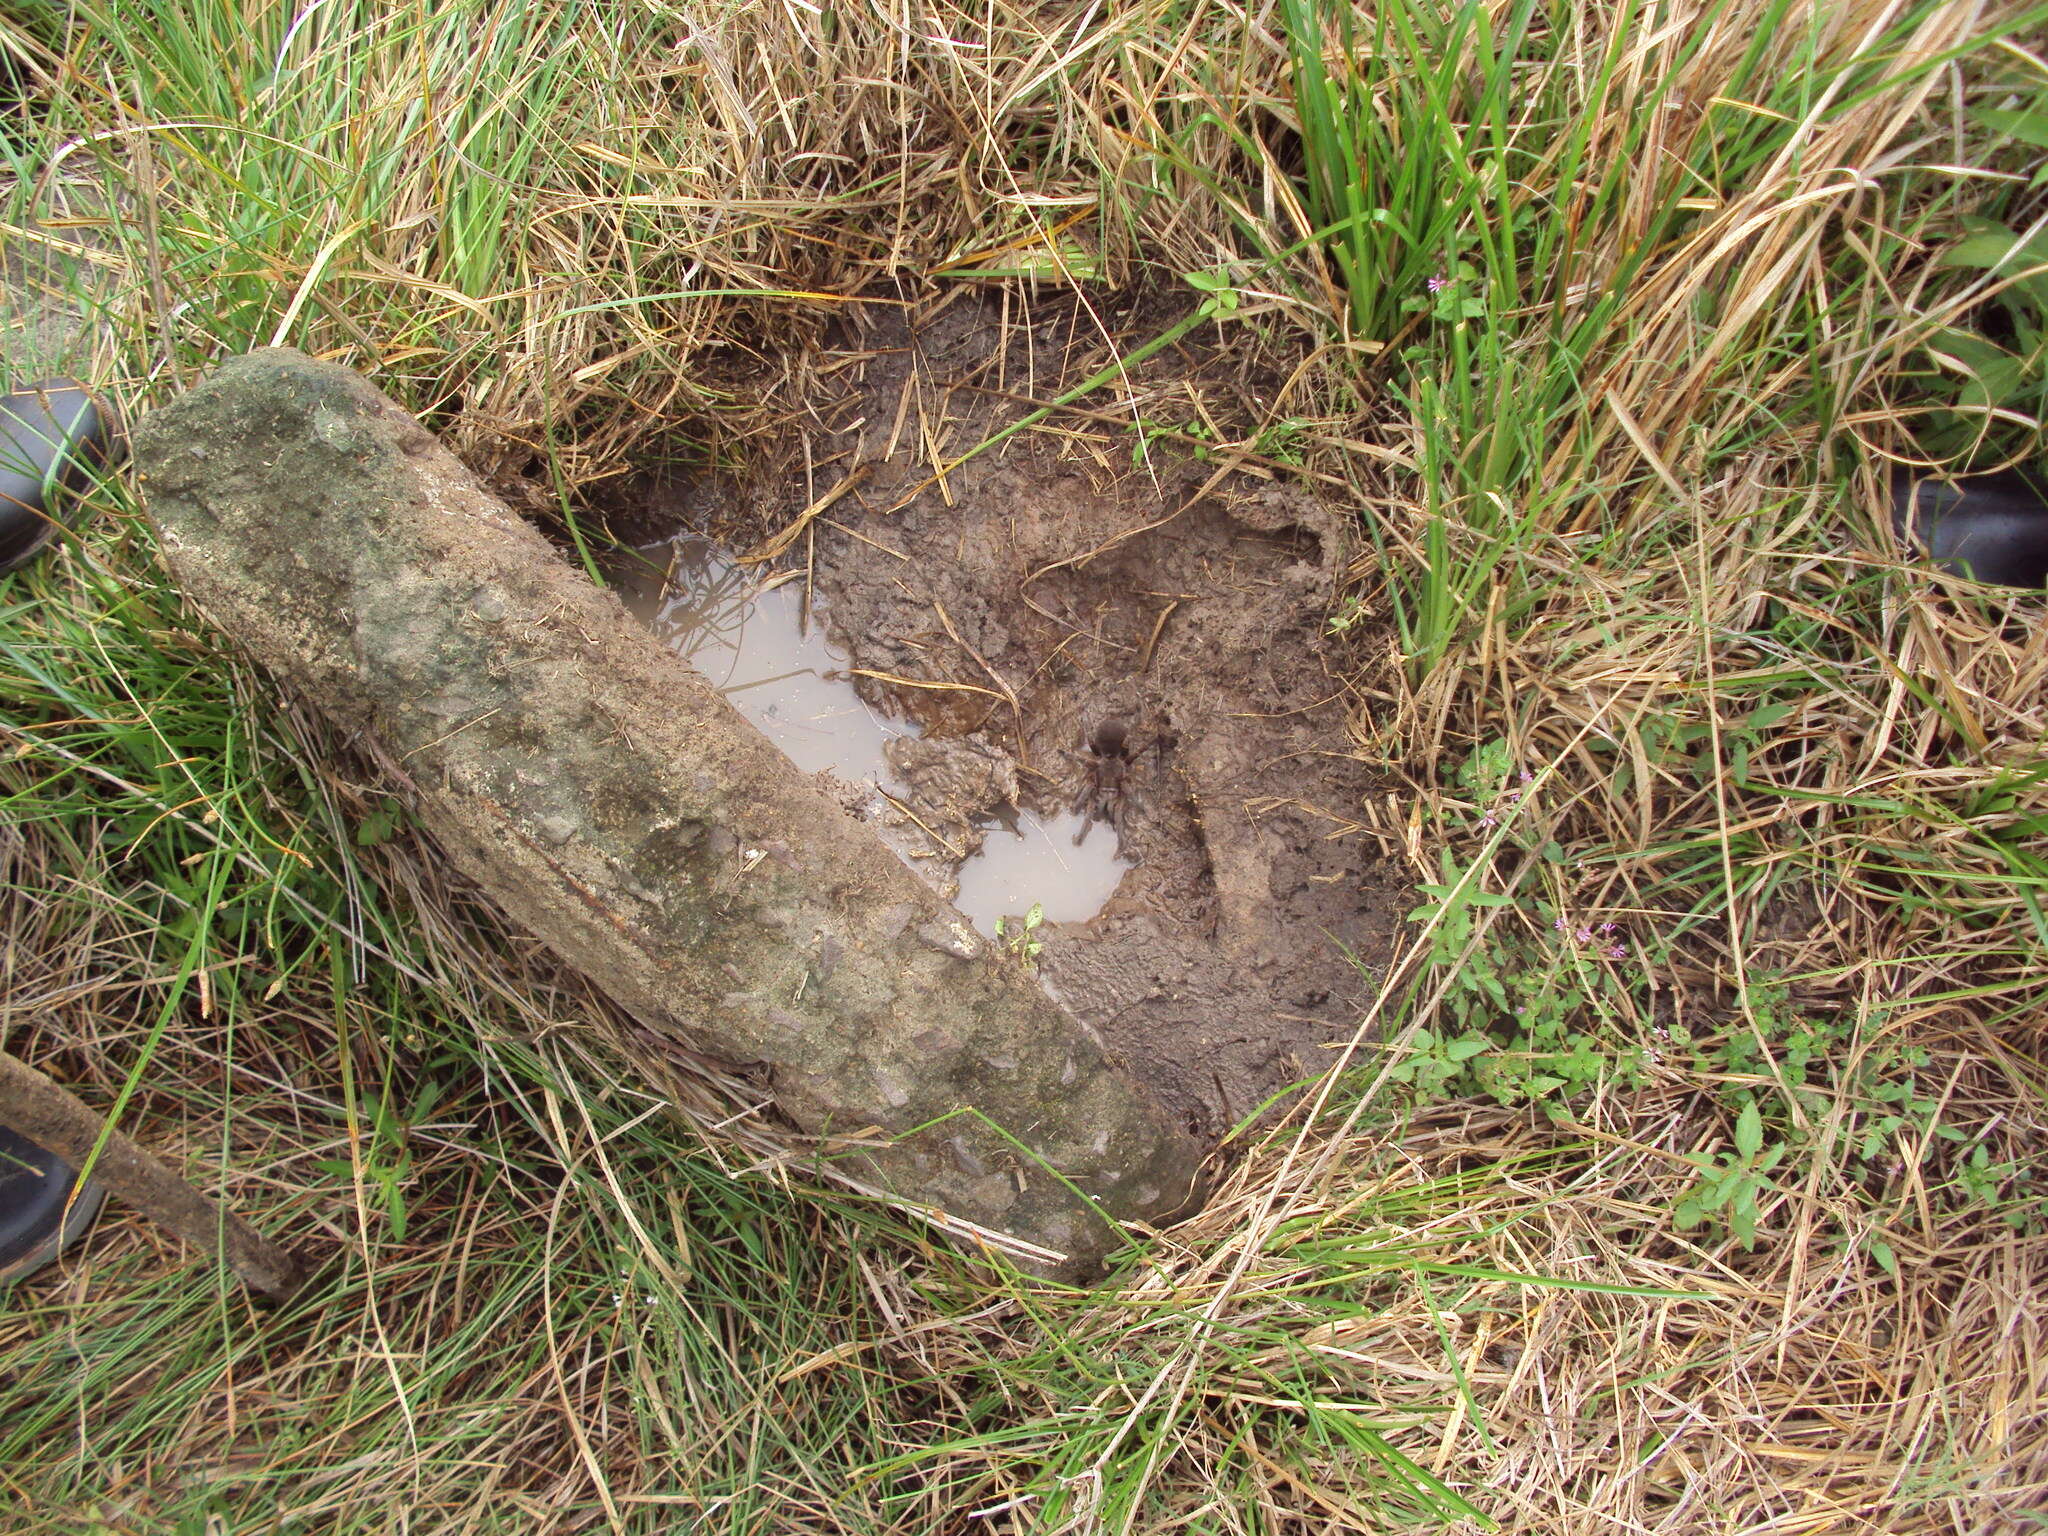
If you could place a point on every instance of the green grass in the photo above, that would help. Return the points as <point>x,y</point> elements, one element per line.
<point>1510,271</point>
<point>1615,470</point>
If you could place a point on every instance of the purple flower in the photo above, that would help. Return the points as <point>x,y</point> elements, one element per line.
<point>1528,777</point>
<point>1561,925</point>
<point>1584,935</point>
<point>1616,952</point>
<point>1607,927</point>
<point>1439,284</point>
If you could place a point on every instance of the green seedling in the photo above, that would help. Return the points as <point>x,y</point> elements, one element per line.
<point>1730,1186</point>
<point>1019,936</point>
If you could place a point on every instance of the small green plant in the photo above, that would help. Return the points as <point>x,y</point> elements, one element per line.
<point>1019,936</point>
<point>386,1154</point>
<point>1528,990</point>
<point>1196,437</point>
<point>1435,1061</point>
<point>381,825</point>
<point>1220,295</point>
<point>1448,300</point>
<point>1284,441</point>
<point>1731,1185</point>
<point>1525,1010</point>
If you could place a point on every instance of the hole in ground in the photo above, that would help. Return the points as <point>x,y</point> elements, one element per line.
<point>1010,605</point>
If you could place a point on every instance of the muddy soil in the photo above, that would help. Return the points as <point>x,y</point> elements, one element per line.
<point>1054,584</point>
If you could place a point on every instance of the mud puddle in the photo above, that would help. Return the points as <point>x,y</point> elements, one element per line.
<point>1076,575</point>
<point>753,640</point>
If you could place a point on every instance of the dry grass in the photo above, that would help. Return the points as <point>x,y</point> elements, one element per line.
<point>1789,1389</point>
<point>1649,517</point>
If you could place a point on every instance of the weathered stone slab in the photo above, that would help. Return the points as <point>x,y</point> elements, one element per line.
<point>613,803</point>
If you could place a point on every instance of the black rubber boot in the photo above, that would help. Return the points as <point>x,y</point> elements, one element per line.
<point>49,435</point>
<point>1988,527</point>
<point>35,1187</point>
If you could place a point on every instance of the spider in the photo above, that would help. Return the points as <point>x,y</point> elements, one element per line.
<point>1106,766</point>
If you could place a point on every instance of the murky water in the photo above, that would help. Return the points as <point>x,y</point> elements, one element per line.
<point>747,634</point>
<point>1037,862</point>
<point>749,639</point>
